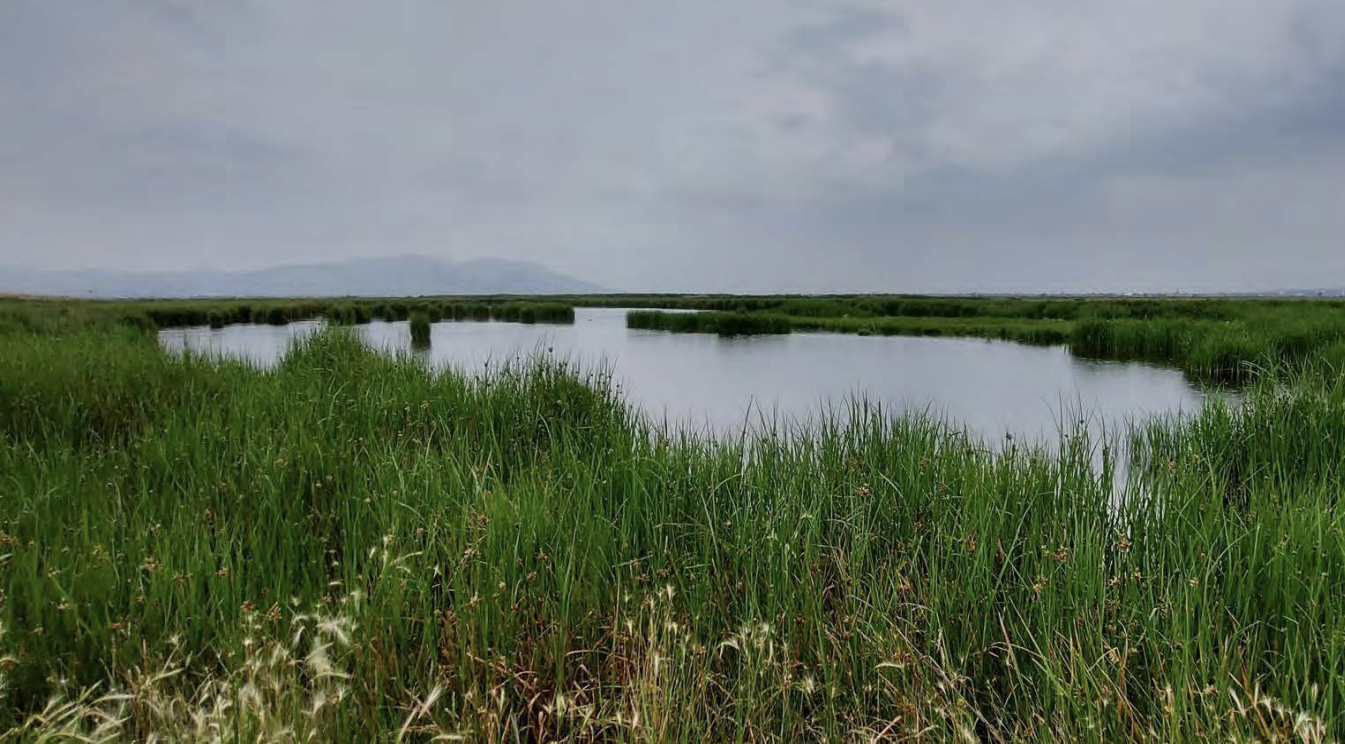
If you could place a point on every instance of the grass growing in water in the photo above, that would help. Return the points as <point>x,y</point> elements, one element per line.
<point>350,547</point>
<point>723,324</point>
<point>1211,339</point>
<point>533,312</point>
<point>30,314</point>
<point>420,329</point>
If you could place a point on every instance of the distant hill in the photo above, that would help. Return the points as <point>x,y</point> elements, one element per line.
<point>401,276</point>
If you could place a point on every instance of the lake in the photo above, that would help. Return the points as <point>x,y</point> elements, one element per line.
<point>720,385</point>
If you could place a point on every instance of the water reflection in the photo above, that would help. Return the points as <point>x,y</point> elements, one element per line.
<point>992,388</point>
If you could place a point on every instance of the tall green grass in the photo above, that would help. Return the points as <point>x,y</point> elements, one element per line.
<point>1219,350</point>
<point>1026,308</point>
<point>721,323</point>
<point>420,329</point>
<point>533,312</point>
<point>54,315</point>
<point>1213,340</point>
<point>350,547</point>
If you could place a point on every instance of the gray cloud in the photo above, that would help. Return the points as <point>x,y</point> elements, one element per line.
<point>755,145</point>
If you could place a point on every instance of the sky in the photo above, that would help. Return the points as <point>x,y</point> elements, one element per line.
<point>696,145</point>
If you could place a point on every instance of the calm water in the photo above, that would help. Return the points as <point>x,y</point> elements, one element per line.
<point>992,388</point>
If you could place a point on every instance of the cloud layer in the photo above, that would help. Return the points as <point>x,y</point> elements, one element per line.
<point>751,146</point>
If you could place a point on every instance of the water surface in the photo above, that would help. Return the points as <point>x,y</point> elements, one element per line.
<point>993,388</point>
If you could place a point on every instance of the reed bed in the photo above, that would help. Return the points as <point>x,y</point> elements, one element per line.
<point>350,548</point>
<point>420,329</point>
<point>1216,341</point>
<point>720,323</point>
<point>221,313</point>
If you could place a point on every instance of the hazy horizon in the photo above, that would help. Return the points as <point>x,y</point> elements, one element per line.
<point>758,146</point>
<point>416,282</point>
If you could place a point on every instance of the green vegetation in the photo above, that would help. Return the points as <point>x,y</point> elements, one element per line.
<point>1224,340</point>
<point>349,313</point>
<point>351,547</point>
<point>220,313</point>
<point>533,312</point>
<point>724,324</point>
<point>420,329</point>
<point>745,323</point>
<point>1212,339</point>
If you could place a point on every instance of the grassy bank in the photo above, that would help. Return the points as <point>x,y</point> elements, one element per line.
<point>1025,308</point>
<point>351,548</point>
<point>723,324</point>
<point>742,323</point>
<point>1212,339</point>
<point>43,315</point>
<point>1216,340</point>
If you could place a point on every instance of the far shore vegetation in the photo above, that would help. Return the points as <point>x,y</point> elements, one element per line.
<point>1212,339</point>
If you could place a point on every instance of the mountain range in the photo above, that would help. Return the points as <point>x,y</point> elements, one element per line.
<point>400,276</point>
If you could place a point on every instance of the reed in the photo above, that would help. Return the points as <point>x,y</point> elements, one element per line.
<point>533,312</point>
<point>420,329</point>
<point>721,323</point>
<point>343,314</point>
<point>1212,340</point>
<point>351,547</point>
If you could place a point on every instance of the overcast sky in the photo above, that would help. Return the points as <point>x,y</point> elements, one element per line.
<point>749,145</point>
